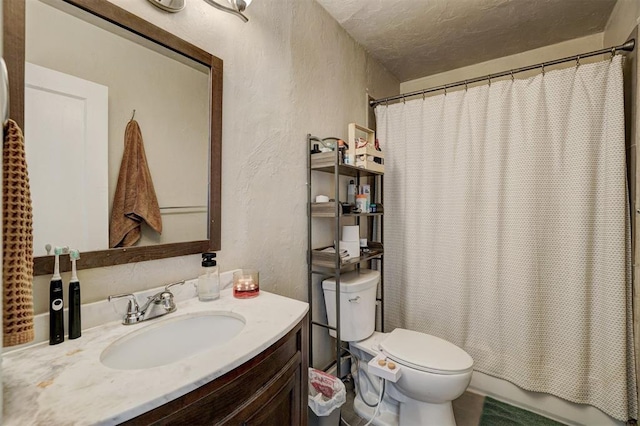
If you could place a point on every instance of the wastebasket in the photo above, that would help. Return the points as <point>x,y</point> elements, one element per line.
<point>326,395</point>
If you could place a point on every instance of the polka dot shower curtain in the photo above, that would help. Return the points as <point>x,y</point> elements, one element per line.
<point>507,230</point>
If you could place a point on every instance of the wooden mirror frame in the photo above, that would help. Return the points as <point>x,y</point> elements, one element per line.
<point>14,55</point>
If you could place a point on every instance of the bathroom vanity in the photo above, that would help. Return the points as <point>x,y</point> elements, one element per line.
<point>258,376</point>
<point>266,390</point>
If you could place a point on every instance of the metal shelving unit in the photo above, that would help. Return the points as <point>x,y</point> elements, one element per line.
<point>325,265</point>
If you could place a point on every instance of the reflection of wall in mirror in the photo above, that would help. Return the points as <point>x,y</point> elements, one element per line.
<point>66,119</point>
<point>171,100</point>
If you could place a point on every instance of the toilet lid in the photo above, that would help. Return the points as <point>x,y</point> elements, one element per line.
<point>425,352</point>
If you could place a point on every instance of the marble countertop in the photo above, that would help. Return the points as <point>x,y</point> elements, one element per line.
<point>67,384</point>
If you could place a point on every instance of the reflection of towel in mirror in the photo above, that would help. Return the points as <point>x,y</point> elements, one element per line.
<point>135,199</point>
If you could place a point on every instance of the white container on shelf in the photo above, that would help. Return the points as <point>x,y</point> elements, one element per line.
<point>350,233</point>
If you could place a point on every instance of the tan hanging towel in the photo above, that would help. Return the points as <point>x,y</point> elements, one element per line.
<point>135,199</point>
<point>17,248</point>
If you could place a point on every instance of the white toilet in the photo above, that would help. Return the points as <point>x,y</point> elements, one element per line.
<point>434,371</point>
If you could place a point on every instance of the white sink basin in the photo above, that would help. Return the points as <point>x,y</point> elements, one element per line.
<point>171,339</point>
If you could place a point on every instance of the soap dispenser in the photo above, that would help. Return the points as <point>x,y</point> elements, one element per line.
<point>209,281</point>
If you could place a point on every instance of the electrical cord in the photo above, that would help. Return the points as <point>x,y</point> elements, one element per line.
<point>344,421</point>
<point>361,394</point>
<point>356,381</point>
<point>375,413</point>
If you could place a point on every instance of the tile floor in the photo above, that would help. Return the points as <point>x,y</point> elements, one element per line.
<point>467,409</point>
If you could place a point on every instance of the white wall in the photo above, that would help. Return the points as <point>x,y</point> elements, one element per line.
<point>289,71</point>
<point>622,21</point>
<point>535,56</point>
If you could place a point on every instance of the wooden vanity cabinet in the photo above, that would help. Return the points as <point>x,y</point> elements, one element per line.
<point>270,389</point>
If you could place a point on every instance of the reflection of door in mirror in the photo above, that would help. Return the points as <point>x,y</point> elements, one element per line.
<point>170,94</point>
<point>67,122</point>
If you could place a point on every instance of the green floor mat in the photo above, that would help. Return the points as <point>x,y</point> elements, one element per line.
<point>496,413</point>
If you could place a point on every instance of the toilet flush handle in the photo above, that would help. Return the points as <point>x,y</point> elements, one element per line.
<point>355,299</point>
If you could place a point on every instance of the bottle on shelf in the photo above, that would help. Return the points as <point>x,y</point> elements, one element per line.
<point>351,192</point>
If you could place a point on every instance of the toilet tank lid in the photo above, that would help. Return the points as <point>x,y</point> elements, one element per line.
<point>425,352</point>
<point>354,281</point>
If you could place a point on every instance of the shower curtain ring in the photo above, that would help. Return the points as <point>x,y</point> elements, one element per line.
<point>423,93</point>
<point>489,78</point>
<point>511,72</point>
<point>465,86</point>
<point>613,53</point>
<point>445,90</point>
<point>404,100</point>
<point>577,61</point>
<point>543,68</point>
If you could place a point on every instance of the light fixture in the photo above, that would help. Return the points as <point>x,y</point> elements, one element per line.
<point>172,6</point>
<point>236,8</point>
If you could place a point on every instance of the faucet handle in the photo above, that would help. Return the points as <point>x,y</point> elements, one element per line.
<point>173,284</point>
<point>133,314</point>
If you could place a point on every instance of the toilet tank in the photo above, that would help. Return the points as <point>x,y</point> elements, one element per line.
<point>357,303</point>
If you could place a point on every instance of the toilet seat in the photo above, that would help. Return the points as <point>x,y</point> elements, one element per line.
<point>426,353</point>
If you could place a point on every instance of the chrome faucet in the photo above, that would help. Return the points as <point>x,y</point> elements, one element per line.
<point>157,305</point>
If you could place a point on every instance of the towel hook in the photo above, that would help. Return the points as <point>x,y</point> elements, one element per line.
<point>134,114</point>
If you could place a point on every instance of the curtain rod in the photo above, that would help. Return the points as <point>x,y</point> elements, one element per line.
<point>626,47</point>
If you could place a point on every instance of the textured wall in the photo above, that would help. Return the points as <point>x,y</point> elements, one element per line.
<point>290,71</point>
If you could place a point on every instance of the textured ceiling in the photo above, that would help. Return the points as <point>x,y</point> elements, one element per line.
<point>416,38</point>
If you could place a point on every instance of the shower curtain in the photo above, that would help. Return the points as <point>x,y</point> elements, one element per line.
<point>507,230</point>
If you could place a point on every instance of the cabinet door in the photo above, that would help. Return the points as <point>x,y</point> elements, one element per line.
<point>282,409</point>
<point>278,403</point>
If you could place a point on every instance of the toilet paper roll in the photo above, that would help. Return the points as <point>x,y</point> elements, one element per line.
<point>352,247</point>
<point>351,233</point>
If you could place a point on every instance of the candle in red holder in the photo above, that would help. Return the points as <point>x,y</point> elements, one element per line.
<point>246,284</point>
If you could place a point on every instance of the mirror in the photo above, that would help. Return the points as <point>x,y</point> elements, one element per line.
<point>118,64</point>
